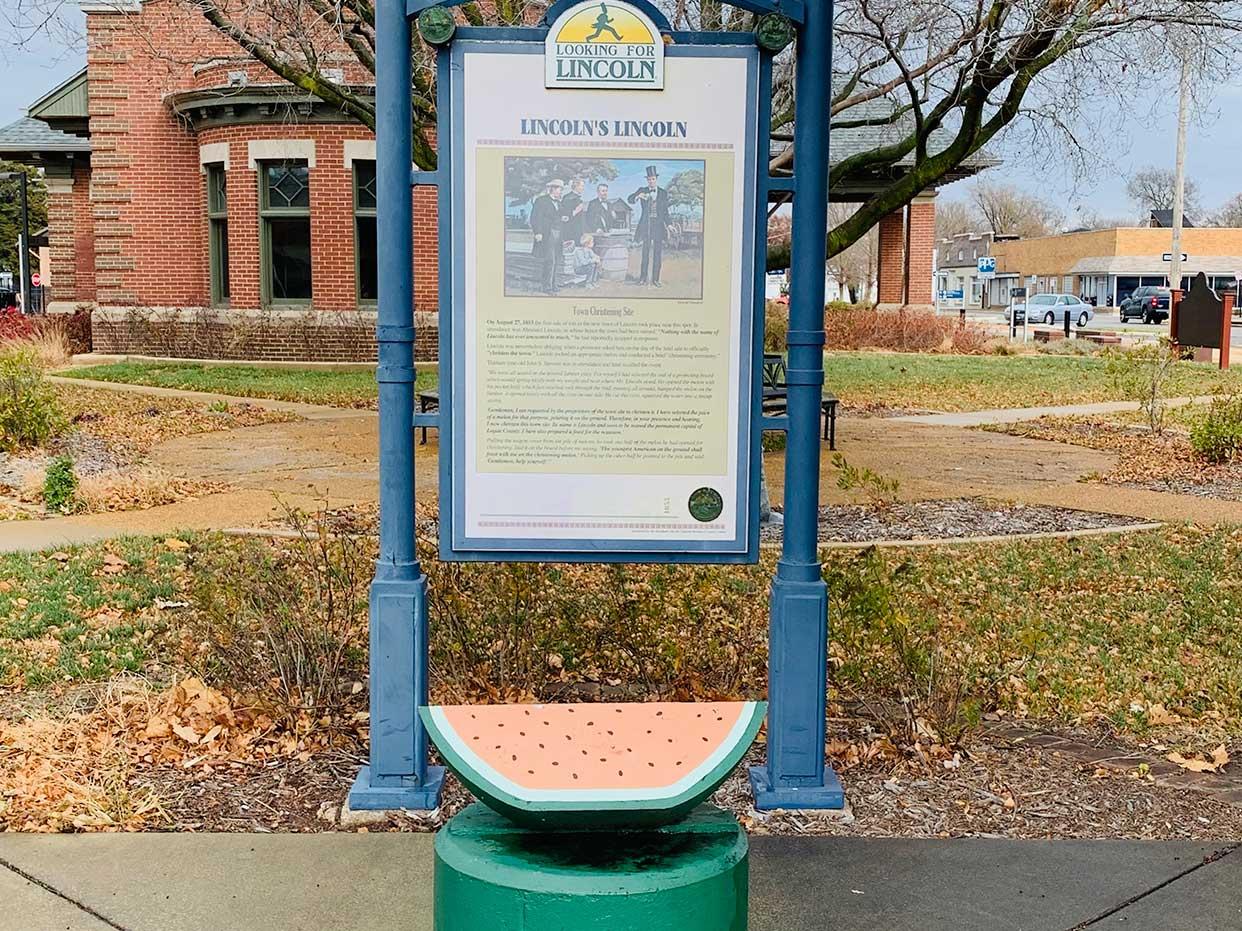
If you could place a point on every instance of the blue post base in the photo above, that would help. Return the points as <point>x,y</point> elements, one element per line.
<point>363,796</point>
<point>828,796</point>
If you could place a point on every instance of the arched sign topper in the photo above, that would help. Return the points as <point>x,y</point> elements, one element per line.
<point>604,46</point>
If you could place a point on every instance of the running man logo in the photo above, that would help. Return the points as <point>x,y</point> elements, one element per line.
<point>604,45</point>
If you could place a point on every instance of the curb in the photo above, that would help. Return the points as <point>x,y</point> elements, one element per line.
<point>1110,530</point>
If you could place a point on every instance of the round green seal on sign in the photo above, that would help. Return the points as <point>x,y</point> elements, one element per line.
<point>773,32</point>
<point>705,504</point>
<point>436,25</point>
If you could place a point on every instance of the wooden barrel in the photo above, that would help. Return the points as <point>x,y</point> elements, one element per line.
<point>614,251</point>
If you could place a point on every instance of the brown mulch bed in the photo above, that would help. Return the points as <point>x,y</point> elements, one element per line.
<point>998,788</point>
<point>948,519</point>
<point>1156,462</point>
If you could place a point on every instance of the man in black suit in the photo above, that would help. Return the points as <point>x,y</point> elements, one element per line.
<point>573,208</point>
<point>545,223</point>
<point>652,225</point>
<point>599,211</point>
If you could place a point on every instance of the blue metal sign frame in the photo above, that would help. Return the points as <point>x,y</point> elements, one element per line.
<point>795,774</point>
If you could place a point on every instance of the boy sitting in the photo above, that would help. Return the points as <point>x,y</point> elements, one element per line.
<point>586,262</point>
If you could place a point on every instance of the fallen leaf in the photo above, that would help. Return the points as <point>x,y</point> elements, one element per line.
<point>1158,715</point>
<point>188,734</point>
<point>176,545</point>
<point>1218,758</point>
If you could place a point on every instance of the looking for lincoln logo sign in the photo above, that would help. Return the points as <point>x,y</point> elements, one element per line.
<point>604,45</point>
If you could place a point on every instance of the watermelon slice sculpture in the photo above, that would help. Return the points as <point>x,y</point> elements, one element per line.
<point>594,765</point>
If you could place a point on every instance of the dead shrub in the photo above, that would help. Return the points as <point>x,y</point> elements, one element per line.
<point>851,326</point>
<point>523,630</point>
<point>970,340</point>
<point>121,490</point>
<point>775,327</point>
<point>286,621</point>
<point>906,666</point>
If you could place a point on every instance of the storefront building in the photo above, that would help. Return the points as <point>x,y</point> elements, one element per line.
<point>1107,265</point>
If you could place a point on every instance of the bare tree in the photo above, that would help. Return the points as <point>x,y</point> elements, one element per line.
<point>854,267</point>
<point>954,217</point>
<point>1230,213</point>
<point>1152,189</point>
<point>1005,209</point>
<point>933,82</point>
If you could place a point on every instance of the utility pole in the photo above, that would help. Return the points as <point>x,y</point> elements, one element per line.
<point>1179,171</point>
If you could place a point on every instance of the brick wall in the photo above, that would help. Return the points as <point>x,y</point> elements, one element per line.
<point>921,246</point>
<point>149,247</point>
<point>283,336</point>
<point>891,274</point>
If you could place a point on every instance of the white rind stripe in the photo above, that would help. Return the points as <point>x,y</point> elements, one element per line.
<point>522,793</point>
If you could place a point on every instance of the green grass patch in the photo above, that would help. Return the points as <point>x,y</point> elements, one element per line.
<point>1101,628</point>
<point>311,386</point>
<point>939,382</point>
<point>85,613</point>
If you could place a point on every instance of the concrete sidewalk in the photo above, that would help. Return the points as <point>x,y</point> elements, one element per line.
<point>376,882</point>
<point>1019,414</point>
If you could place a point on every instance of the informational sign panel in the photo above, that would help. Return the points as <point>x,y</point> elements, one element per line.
<point>986,266</point>
<point>602,294</point>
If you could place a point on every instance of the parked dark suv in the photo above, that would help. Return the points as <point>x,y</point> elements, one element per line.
<point>1148,303</point>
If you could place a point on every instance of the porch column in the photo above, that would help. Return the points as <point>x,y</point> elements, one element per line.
<point>891,272</point>
<point>920,250</point>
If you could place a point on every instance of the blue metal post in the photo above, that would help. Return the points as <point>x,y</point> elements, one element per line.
<point>795,775</point>
<point>398,776</point>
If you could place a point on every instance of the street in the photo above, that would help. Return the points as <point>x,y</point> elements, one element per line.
<point>1106,319</point>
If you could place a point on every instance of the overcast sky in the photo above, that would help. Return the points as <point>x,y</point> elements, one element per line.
<point>1215,139</point>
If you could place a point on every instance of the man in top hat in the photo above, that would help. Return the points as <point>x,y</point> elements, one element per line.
<point>652,225</point>
<point>545,223</point>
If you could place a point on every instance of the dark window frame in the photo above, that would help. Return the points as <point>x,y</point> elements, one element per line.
<point>268,212</point>
<point>363,213</point>
<point>218,232</point>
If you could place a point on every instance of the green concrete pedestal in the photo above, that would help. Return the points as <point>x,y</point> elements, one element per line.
<point>492,875</point>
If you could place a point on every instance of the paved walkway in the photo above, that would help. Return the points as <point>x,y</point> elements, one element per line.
<point>382,882</point>
<point>331,456</point>
<point>1019,414</point>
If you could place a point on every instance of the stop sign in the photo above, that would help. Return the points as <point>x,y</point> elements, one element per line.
<point>35,280</point>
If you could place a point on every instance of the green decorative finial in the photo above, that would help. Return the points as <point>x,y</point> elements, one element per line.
<point>436,25</point>
<point>773,32</point>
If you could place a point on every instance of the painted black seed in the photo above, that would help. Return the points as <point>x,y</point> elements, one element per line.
<point>521,733</point>
<point>575,775</point>
<point>515,757</point>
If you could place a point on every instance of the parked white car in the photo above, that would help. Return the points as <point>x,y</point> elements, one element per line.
<point>1052,309</point>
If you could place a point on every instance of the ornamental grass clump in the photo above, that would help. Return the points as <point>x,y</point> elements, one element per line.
<point>29,412</point>
<point>1216,437</point>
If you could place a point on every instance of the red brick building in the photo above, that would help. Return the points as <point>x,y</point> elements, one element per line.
<point>201,207</point>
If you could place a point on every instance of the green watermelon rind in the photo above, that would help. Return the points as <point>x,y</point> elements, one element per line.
<point>642,805</point>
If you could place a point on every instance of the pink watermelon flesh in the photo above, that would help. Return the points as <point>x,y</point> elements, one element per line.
<point>594,763</point>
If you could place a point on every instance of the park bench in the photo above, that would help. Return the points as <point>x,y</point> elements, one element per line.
<point>775,399</point>
<point>427,401</point>
<point>776,396</point>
